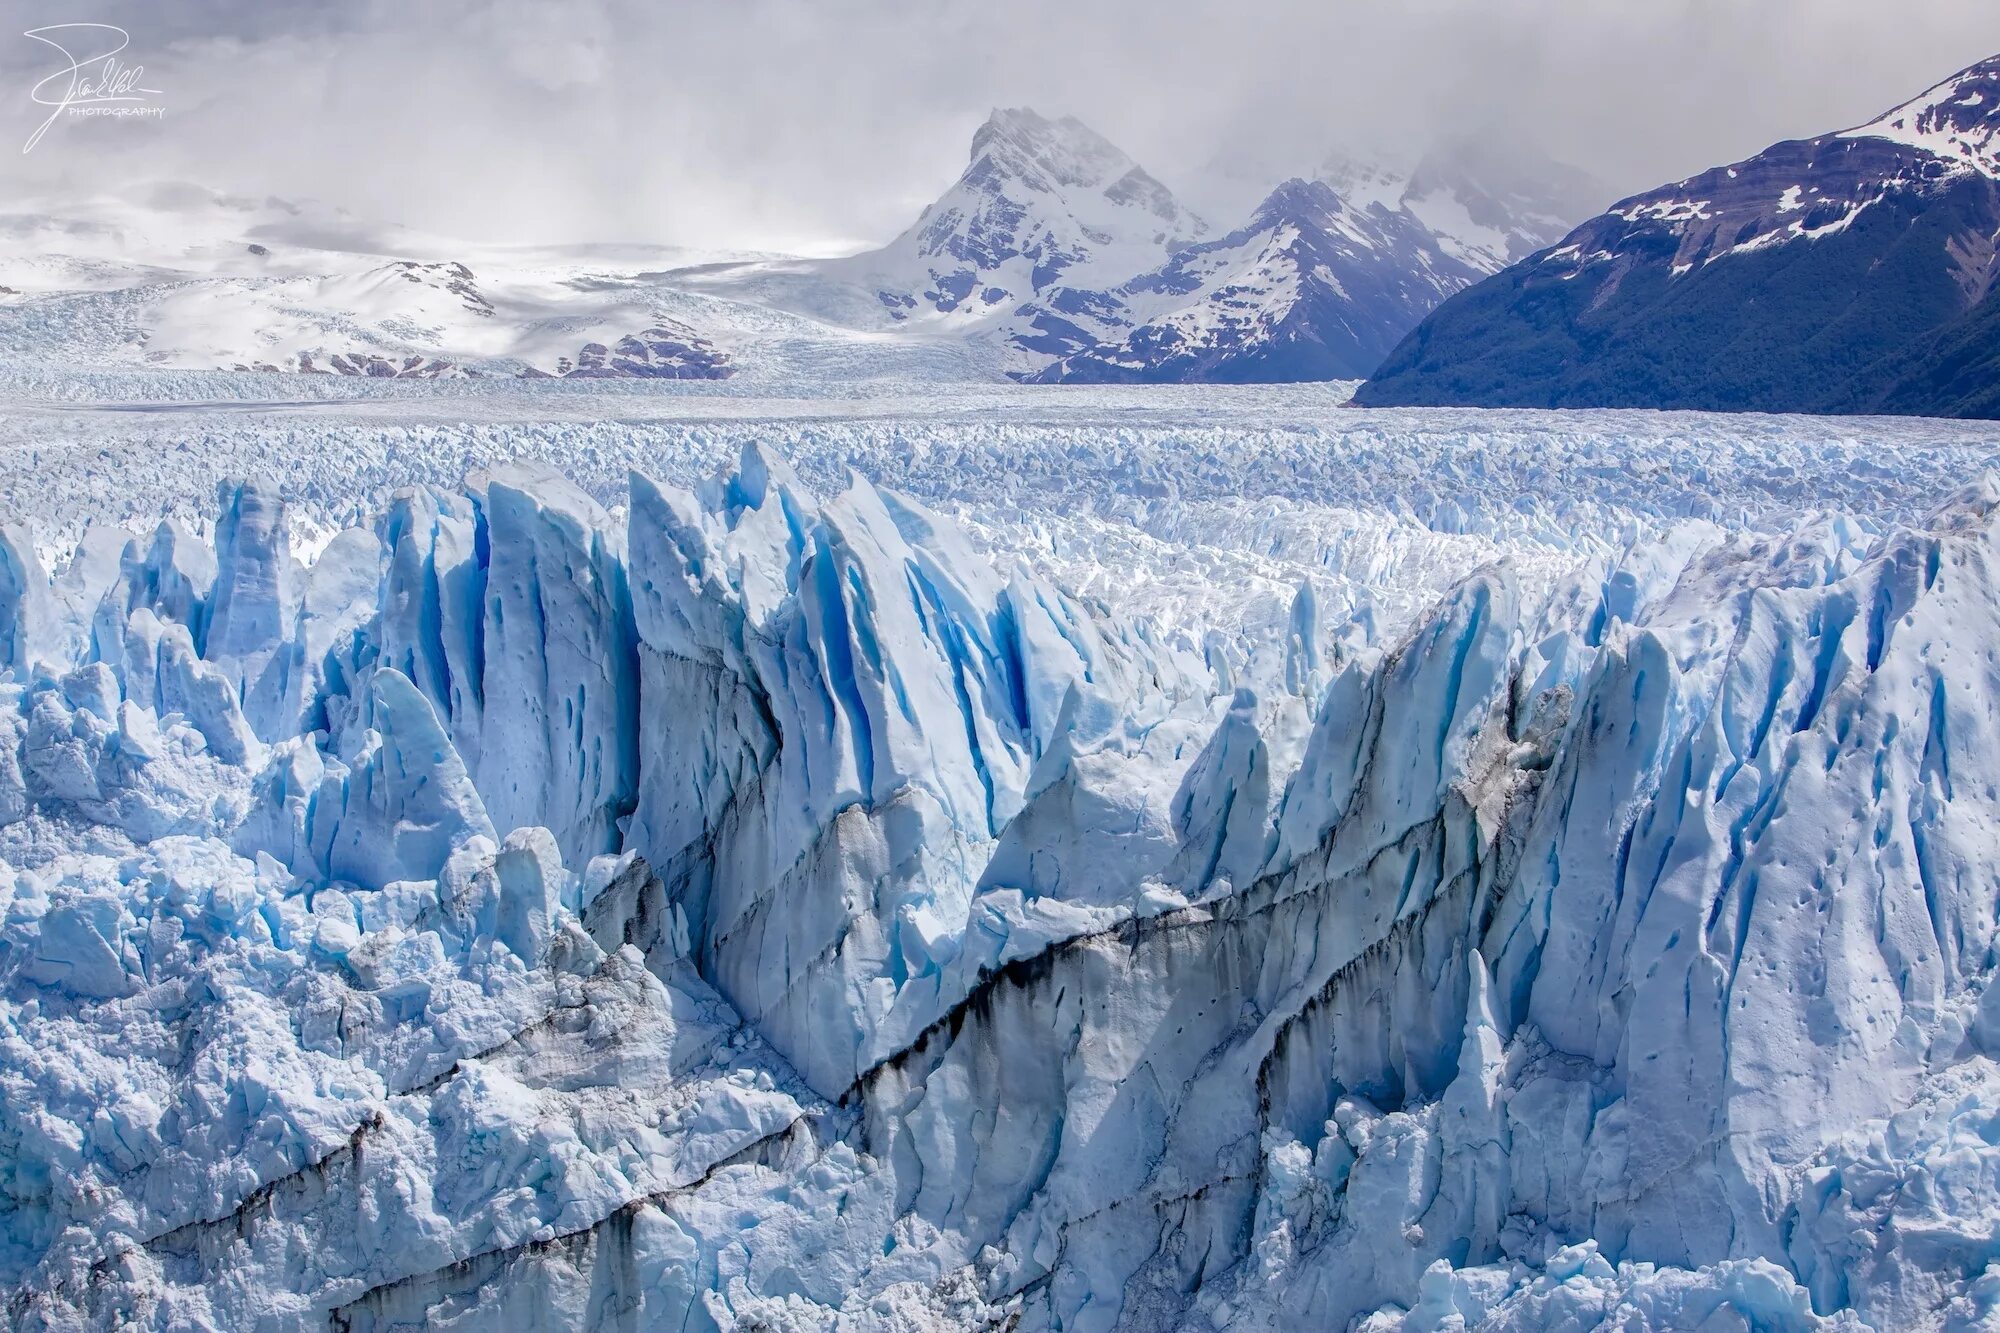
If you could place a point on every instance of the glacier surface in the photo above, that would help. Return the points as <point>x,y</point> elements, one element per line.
<point>1032,859</point>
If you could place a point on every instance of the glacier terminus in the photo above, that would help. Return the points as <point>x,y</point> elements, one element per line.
<point>1000,857</point>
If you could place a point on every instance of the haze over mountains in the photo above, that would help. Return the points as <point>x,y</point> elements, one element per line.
<point>1054,256</point>
<point>1853,272</point>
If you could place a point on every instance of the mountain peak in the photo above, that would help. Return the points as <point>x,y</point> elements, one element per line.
<point>1490,199</point>
<point>1042,200</point>
<point>1958,119</point>
<point>1296,199</point>
<point>1311,288</point>
<point>1067,149</point>
<point>1067,158</point>
<point>1362,181</point>
<point>1011,124</point>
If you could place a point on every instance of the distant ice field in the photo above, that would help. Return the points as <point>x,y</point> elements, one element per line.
<point>1200,506</point>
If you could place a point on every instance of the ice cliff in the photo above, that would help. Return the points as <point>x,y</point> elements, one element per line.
<point>748,908</point>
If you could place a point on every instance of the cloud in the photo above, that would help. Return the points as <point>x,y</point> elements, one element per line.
<point>783,123</point>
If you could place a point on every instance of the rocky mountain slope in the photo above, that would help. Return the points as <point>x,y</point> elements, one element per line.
<point>1311,288</point>
<point>1489,202</point>
<point>1853,272</point>
<point>1322,282</point>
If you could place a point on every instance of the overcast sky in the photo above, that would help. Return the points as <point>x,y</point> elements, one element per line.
<point>788,124</point>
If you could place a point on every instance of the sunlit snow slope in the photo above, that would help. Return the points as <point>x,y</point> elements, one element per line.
<point>1043,860</point>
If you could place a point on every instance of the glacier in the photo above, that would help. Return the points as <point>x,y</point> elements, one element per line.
<point>1439,871</point>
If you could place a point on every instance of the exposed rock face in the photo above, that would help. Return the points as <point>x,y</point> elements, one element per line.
<point>370,365</point>
<point>453,278</point>
<point>657,353</point>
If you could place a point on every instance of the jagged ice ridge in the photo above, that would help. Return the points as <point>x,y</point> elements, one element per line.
<point>756,906</point>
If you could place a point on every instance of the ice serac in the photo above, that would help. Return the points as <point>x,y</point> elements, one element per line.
<point>401,804</point>
<point>164,674</point>
<point>1140,1065</point>
<point>842,709</point>
<point>249,621</point>
<point>433,606</point>
<point>558,692</point>
<point>172,577</point>
<point>79,585</point>
<point>1791,917</point>
<point>24,595</point>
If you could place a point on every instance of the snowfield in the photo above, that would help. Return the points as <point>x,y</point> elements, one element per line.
<point>536,855</point>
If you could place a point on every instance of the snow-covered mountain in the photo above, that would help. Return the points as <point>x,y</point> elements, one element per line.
<point>1322,282</point>
<point>1488,203</point>
<point>1066,259</point>
<point>1850,272</point>
<point>1041,202</point>
<point>754,906</point>
<point>1053,255</point>
<point>178,277</point>
<point>1495,202</point>
<point>1490,199</point>
<point>1313,287</point>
